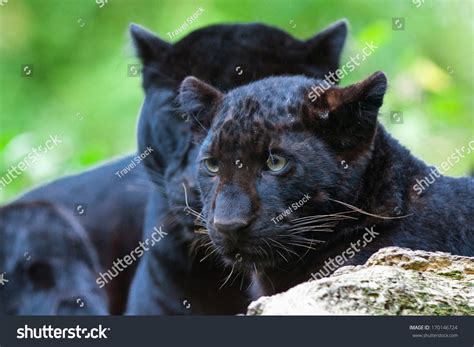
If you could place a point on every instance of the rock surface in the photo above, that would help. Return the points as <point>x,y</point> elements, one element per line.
<point>394,281</point>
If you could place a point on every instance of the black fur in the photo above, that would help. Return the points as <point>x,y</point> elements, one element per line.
<point>353,175</point>
<point>171,273</point>
<point>114,210</point>
<point>50,263</point>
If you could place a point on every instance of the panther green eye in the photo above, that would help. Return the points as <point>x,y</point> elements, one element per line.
<point>276,163</point>
<point>211,165</point>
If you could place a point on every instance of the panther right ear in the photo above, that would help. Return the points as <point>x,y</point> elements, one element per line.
<point>347,117</point>
<point>198,101</point>
<point>148,46</point>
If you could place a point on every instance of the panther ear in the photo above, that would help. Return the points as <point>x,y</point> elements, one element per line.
<point>324,49</point>
<point>198,100</point>
<point>347,117</point>
<point>148,46</point>
<point>369,93</point>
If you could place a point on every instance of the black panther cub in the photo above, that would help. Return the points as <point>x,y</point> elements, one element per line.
<point>288,142</point>
<point>169,280</point>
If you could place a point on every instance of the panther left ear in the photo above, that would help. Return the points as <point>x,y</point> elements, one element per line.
<point>149,47</point>
<point>198,100</point>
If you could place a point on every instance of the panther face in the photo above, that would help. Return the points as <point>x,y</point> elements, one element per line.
<point>270,158</point>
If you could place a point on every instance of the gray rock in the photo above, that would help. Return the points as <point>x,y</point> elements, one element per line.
<point>394,281</point>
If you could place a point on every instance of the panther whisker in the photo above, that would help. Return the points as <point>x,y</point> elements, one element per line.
<point>242,280</point>
<point>200,221</point>
<point>314,221</point>
<point>311,222</point>
<point>301,239</point>
<point>325,220</point>
<point>193,212</point>
<point>208,255</point>
<point>301,245</point>
<point>280,245</point>
<point>310,228</point>
<point>206,244</point>
<point>281,255</point>
<point>306,242</point>
<point>310,245</point>
<point>200,224</point>
<point>198,243</point>
<point>310,231</point>
<point>264,252</point>
<point>196,213</point>
<point>269,247</point>
<point>259,252</point>
<point>228,277</point>
<point>338,214</point>
<point>356,209</point>
<point>190,210</point>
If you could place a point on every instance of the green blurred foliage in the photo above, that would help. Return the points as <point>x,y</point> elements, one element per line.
<point>79,88</point>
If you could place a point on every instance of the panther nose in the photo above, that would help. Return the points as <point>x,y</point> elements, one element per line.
<point>233,210</point>
<point>230,225</point>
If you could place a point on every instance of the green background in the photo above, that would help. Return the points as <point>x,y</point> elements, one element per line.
<point>80,90</point>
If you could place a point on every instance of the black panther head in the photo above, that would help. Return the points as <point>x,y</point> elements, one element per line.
<point>270,159</point>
